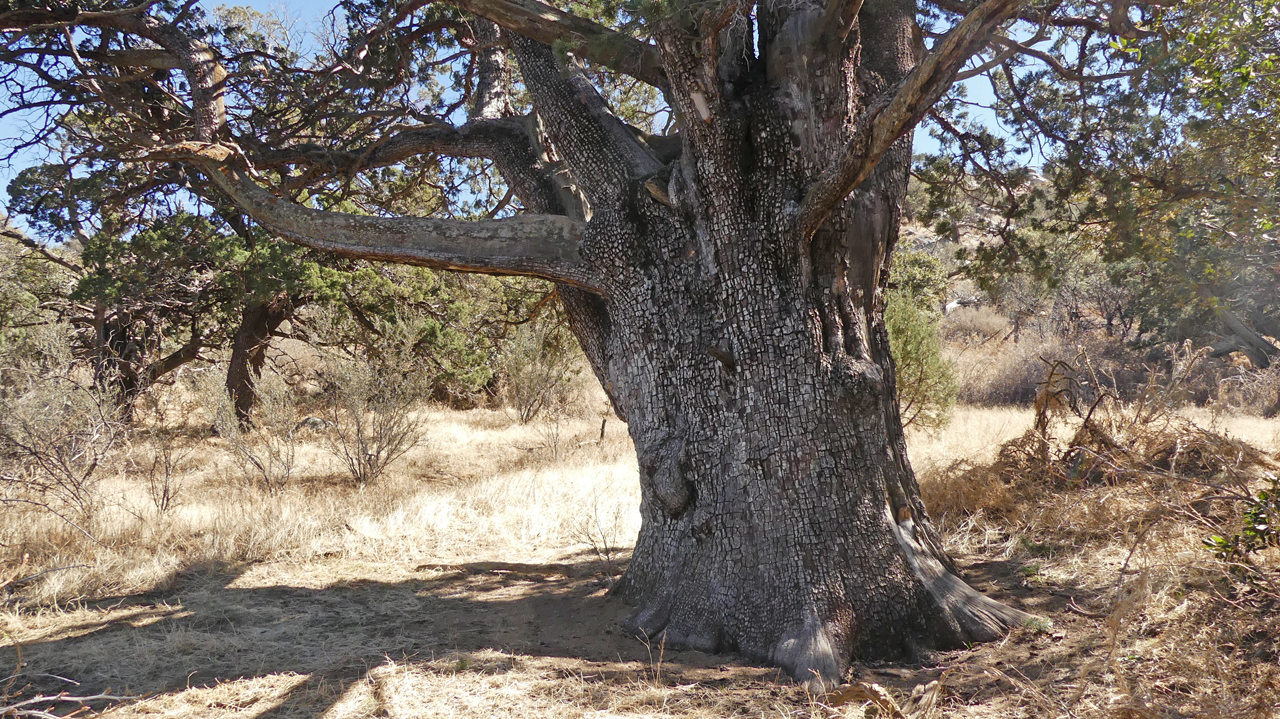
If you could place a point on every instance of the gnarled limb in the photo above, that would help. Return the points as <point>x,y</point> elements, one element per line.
<point>898,110</point>
<point>196,59</point>
<point>602,153</point>
<point>477,138</point>
<point>543,246</point>
<point>504,140</point>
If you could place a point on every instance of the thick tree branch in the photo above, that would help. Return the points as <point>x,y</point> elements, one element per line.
<point>898,110</point>
<point>1255,346</point>
<point>140,57</point>
<point>584,38</point>
<point>187,353</point>
<point>22,239</point>
<point>504,140</point>
<point>489,99</point>
<point>603,153</point>
<point>543,246</point>
<point>474,139</point>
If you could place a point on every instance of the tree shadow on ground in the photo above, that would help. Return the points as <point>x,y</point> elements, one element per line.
<point>214,628</point>
<point>304,638</point>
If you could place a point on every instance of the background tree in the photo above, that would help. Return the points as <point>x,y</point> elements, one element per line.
<point>727,281</point>
<point>1159,163</point>
<point>145,293</point>
<point>926,380</point>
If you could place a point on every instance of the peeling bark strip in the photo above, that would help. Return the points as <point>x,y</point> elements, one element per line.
<point>729,293</point>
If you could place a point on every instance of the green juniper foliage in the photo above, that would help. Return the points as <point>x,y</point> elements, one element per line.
<point>926,379</point>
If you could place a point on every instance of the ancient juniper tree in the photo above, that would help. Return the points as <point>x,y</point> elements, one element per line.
<point>727,280</point>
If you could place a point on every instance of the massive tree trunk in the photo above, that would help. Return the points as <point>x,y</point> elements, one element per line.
<point>729,295</point>
<point>780,515</point>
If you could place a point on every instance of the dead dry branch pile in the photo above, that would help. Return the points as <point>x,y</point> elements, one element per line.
<point>1160,532</point>
<point>1084,436</point>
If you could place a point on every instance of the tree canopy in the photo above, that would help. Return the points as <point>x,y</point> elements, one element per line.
<point>1159,153</point>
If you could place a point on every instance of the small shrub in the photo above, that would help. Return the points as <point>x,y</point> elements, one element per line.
<point>926,380</point>
<point>161,454</point>
<point>55,434</point>
<point>1258,530</point>
<point>539,365</point>
<point>161,466</point>
<point>974,324</point>
<point>1251,390</point>
<point>602,529</point>
<point>267,450</point>
<point>371,413</point>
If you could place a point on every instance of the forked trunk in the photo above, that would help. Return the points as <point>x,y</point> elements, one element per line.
<point>781,518</point>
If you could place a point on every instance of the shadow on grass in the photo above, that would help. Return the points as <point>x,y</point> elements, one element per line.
<point>213,628</point>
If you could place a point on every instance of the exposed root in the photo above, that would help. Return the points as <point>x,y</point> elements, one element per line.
<point>977,617</point>
<point>811,655</point>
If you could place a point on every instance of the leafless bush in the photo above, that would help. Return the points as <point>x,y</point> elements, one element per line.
<point>267,450</point>
<point>1252,391</point>
<point>540,365</point>
<point>371,414</point>
<point>974,324</point>
<point>161,464</point>
<point>602,529</point>
<point>1002,372</point>
<point>1112,440</point>
<point>159,455</point>
<point>55,434</point>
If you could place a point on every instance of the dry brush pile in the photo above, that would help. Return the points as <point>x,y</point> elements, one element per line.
<point>1160,530</point>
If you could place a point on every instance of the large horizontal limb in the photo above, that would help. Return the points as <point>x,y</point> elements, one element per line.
<point>543,246</point>
<point>898,110</point>
<point>584,38</point>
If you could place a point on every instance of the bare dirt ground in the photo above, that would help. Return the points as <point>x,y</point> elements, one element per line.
<point>431,600</point>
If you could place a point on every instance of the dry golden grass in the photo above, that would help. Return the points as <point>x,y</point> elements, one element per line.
<point>471,582</point>
<point>479,486</point>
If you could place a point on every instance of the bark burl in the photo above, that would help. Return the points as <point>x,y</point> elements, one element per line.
<point>727,284</point>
